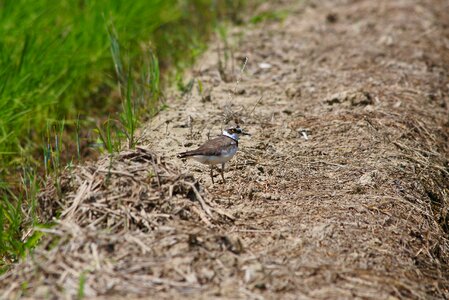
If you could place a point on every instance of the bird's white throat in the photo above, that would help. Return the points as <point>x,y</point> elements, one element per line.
<point>233,136</point>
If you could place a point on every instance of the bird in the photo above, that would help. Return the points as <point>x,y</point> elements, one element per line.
<point>218,150</point>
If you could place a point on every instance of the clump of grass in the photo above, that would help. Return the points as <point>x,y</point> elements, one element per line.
<point>108,136</point>
<point>15,217</point>
<point>128,116</point>
<point>138,89</point>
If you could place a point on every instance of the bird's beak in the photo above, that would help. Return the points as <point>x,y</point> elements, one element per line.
<point>245,133</point>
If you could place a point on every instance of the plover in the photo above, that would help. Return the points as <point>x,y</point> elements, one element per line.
<point>218,150</point>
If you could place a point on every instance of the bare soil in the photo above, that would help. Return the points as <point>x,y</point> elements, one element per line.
<point>342,192</point>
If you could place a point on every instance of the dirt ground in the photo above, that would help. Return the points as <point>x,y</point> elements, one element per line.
<point>341,192</point>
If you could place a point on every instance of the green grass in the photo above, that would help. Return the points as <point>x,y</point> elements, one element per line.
<point>62,64</point>
<point>17,220</point>
<point>277,15</point>
<point>56,63</point>
<point>82,282</point>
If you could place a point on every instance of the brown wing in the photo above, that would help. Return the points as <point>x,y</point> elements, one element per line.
<point>211,147</point>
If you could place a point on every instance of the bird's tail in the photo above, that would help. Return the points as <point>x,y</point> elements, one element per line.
<point>184,154</point>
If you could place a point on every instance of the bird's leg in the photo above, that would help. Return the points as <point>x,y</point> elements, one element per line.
<point>222,172</point>
<point>212,173</point>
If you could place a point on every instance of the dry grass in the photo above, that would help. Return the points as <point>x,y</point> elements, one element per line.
<point>124,224</point>
<point>341,193</point>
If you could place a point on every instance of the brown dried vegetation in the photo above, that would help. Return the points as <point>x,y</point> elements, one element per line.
<point>341,193</point>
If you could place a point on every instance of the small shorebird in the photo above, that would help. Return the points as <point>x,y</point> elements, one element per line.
<point>218,150</point>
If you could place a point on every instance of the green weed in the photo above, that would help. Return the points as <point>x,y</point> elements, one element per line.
<point>14,217</point>
<point>82,283</point>
<point>278,15</point>
<point>107,135</point>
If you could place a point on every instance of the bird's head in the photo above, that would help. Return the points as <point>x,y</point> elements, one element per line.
<point>234,132</point>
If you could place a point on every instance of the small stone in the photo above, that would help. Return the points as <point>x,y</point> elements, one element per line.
<point>368,178</point>
<point>264,65</point>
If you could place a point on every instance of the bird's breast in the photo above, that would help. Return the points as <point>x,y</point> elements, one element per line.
<point>225,156</point>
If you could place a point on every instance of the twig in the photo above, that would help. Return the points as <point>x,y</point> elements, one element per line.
<point>237,82</point>
<point>201,215</point>
<point>116,172</point>
<point>204,206</point>
<point>255,105</point>
<point>81,191</point>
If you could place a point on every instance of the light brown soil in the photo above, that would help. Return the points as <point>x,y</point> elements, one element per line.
<point>342,191</point>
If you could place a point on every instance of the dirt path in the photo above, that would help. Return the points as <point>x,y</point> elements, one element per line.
<point>342,191</point>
